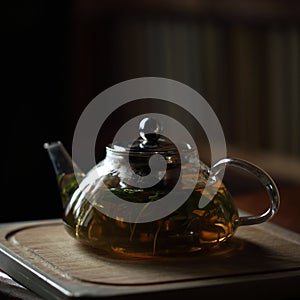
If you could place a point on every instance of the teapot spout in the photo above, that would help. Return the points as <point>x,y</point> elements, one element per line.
<point>64,169</point>
<point>60,158</point>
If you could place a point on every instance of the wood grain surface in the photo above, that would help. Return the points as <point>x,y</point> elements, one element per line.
<point>46,249</point>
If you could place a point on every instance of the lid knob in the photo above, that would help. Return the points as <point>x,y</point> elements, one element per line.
<point>150,130</point>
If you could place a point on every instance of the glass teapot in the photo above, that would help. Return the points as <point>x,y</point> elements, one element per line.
<point>184,207</point>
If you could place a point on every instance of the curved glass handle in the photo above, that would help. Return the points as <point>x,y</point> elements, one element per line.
<point>264,178</point>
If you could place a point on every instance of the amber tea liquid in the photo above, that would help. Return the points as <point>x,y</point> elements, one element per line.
<point>188,229</point>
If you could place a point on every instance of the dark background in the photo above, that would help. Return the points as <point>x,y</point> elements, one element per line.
<point>56,56</point>
<point>34,65</point>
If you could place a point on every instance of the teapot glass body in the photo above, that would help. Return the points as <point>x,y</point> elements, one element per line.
<point>152,197</point>
<point>187,229</point>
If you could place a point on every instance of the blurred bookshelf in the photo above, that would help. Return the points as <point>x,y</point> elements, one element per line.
<point>242,56</point>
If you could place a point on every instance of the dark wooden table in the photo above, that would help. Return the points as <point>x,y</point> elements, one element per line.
<point>256,256</point>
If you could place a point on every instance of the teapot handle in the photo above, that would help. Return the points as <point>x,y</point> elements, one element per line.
<point>264,178</point>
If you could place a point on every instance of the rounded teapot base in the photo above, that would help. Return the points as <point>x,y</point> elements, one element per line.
<point>125,248</point>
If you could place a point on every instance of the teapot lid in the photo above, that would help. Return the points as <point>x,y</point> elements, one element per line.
<point>151,141</point>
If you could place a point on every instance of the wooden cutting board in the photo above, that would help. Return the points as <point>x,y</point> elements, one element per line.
<point>261,261</point>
